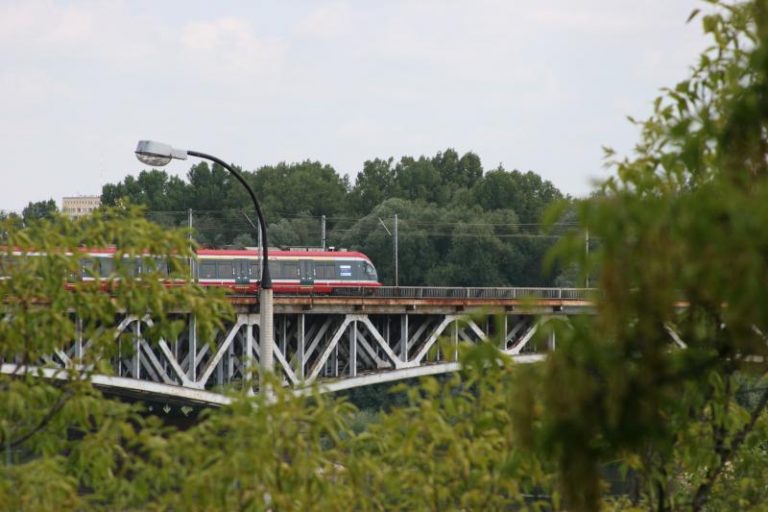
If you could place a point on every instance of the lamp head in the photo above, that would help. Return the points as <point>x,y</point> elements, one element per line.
<point>158,154</point>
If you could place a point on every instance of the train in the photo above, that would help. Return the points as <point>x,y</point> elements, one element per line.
<point>296,270</point>
<point>292,271</point>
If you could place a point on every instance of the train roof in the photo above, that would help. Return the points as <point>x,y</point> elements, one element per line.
<point>243,253</point>
<point>283,253</point>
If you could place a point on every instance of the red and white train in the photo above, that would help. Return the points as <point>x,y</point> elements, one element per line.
<point>292,271</point>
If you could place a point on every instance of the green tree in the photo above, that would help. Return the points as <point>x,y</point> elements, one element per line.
<point>458,172</point>
<point>210,187</point>
<point>525,193</point>
<point>294,196</point>
<point>452,447</point>
<point>418,179</point>
<point>474,251</point>
<point>373,185</point>
<point>681,263</point>
<point>470,169</point>
<point>302,231</point>
<point>39,210</point>
<point>155,189</point>
<point>435,180</point>
<point>302,188</point>
<point>65,446</point>
<point>449,246</point>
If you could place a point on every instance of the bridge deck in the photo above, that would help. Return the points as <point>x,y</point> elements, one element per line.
<point>353,338</point>
<point>429,300</point>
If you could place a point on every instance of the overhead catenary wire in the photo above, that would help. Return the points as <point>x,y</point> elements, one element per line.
<point>236,213</point>
<point>221,226</point>
<point>243,226</point>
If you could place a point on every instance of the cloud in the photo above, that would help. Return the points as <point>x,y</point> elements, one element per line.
<point>229,45</point>
<point>328,21</point>
<point>44,24</point>
<point>43,29</point>
<point>79,46</point>
<point>27,90</point>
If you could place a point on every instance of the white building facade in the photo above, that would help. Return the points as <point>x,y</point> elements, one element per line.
<point>79,205</point>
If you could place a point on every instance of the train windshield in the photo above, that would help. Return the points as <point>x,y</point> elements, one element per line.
<point>370,272</point>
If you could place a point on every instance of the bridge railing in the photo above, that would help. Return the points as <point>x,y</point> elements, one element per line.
<point>446,292</point>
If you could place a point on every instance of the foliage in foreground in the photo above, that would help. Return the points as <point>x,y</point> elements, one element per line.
<point>65,446</point>
<point>451,447</point>
<point>683,262</point>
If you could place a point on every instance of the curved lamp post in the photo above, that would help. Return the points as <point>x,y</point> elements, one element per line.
<point>157,154</point>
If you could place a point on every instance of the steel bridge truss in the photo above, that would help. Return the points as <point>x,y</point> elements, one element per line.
<point>337,350</point>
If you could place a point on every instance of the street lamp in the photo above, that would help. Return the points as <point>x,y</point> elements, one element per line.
<point>158,154</point>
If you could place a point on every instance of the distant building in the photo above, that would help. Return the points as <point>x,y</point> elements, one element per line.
<point>80,205</point>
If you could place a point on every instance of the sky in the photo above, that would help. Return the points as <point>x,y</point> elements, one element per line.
<point>533,85</point>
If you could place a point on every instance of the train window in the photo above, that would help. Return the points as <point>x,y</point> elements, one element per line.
<point>88,267</point>
<point>130,267</point>
<point>325,271</point>
<point>138,267</point>
<point>226,269</point>
<point>370,272</point>
<point>106,266</point>
<point>207,270</point>
<point>254,269</point>
<point>7,264</point>
<point>148,265</point>
<point>158,265</point>
<point>289,270</point>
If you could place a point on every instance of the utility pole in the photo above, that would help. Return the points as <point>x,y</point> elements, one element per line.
<point>397,270</point>
<point>191,258</point>
<point>322,232</point>
<point>393,234</point>
<point>258,233</point>
<point>586,252</point>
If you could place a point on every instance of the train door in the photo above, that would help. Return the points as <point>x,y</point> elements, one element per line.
<point>254,270</point>
<point>306,273</point>
<point>242,272</point>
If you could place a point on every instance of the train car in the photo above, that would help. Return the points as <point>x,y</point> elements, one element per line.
<point>292,271</point>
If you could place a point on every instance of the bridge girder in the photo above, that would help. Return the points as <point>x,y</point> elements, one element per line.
<point>336,343</point>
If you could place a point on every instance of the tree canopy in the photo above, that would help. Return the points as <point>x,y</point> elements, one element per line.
<point>39,210</point>
<point>669,377</point>
<point>66,447</point>
<point>440,201</point>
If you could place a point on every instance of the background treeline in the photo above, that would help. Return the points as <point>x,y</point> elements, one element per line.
<point>457,224</point>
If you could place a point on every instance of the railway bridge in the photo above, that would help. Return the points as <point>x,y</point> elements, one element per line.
<point>358,338</point>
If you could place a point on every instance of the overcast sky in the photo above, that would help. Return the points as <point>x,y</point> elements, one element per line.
<point>535,85</point>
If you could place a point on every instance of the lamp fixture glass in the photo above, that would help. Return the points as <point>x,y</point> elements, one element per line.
<point>153,160</point>
<point>157,154</point>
